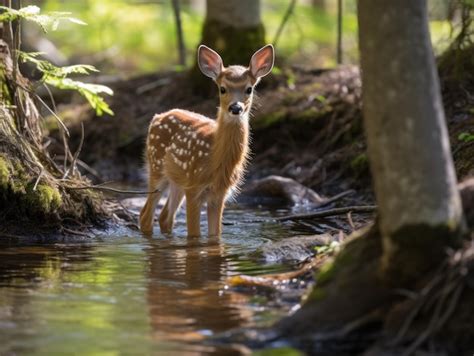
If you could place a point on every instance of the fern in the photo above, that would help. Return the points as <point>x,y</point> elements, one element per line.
<point>89,91</point>
<point>33,13</point>
<point>53,75</point>
<point>58,77</point>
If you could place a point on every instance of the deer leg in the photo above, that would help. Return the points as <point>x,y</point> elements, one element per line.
<point>193,213</point>
<point>175,198</point>
<point>148,210</point>
<point>215,208</point>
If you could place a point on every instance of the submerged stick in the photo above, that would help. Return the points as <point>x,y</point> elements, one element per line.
<point>330,212</point>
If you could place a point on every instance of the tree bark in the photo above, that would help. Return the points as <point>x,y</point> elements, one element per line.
<point>419,206</point>
<point>408,144</point>
<point>339,31</point>
<point>319,4</point>
<point>234,29</point>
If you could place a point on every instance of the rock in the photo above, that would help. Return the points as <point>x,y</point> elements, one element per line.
<point>292,249</point>
<point>276,190</point>
<point>466,190</point>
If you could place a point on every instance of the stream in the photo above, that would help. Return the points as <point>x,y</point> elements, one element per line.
<point>122,293</point>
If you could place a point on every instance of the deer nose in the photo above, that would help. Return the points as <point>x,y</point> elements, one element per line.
<point>236,108</point>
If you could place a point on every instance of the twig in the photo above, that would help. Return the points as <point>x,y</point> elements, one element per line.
<point>287,15</point>
<point>268,280</point>
<point>76,155</point>
<point>75,232</point>
<point>47,108</point>
<point>153,85</point>
<point>336,197</point>
<point>38,179</point>
<point>330,212</point>
<point>84,165</point>
<point>114,190</point>
<point>349,220</point>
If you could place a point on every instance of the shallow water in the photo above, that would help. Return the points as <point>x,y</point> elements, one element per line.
<point>127,294</point>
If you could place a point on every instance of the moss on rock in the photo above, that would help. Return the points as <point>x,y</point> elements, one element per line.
<point>18,191</point>
<point>45,199</point>
<point>4,173</point>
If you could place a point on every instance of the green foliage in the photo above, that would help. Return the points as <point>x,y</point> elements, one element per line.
<point>126,36</point>
<point>53,75</point>
<point>58,77</point>
<point>33,13</point>
<point>4,174</point>
<point>330,249</point>
<point>466,137</point>
<point>144,40</point>
<point>360,162</point>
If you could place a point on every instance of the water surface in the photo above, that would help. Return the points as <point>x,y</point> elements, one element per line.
<point>127,294</point>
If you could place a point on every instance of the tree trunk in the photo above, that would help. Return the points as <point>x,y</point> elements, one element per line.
<point>234,29</point>
<point>408,144</point>
<point>319,4</point>
<point>419,206</point>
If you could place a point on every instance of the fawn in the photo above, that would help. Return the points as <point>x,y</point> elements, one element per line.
<point>200,158</point>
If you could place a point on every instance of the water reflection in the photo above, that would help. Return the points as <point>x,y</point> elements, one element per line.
<point>127,294</point>
<point>186,295</point>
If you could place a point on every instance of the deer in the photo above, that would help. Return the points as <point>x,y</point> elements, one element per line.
<point>199,158</point>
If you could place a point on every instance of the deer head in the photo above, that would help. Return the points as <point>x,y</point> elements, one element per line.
<point>236,83</point>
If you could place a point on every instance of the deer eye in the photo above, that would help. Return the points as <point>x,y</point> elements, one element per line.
<point>248,90</point>
<point>223,90</point>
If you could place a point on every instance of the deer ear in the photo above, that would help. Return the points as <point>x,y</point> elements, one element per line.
<point>210,63</point>
<point>262,61</point>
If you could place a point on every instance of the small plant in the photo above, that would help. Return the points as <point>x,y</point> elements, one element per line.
<point>330,249</point>
<point>466,137</point>
<point>33,13</point>
<point>53,75</point>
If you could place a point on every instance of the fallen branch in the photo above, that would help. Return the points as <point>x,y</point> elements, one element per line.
<point>330,212</point>
<point>114,190</point>
<point>272,280</point>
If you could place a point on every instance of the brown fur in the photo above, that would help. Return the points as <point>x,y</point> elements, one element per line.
<point>199,158</point>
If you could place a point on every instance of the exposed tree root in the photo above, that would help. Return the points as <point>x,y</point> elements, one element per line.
<point>33,188</point>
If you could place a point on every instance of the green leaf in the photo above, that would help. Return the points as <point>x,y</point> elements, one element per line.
<point>33,13</point>
<point>58,77</point>
<point>466,137</point>
<point>89,91</point>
